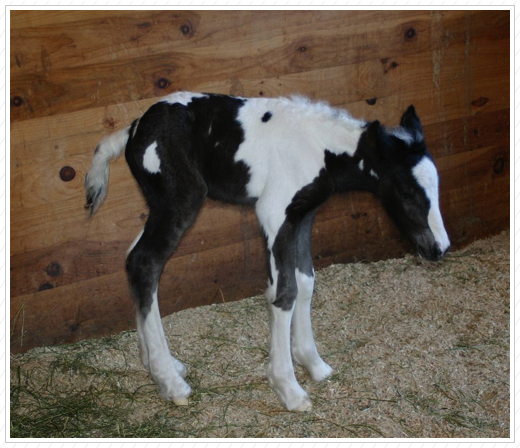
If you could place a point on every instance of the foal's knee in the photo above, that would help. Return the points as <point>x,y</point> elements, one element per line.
<point>305,285</point>
<point>286,296</point>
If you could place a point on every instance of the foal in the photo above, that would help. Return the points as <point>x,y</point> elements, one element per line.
<point>285,157</point>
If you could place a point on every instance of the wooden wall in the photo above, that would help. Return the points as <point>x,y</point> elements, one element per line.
<point>77,76</point>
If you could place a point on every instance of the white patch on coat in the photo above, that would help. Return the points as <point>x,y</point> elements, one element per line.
<point>151,160</point>
<point>428,178</point>
<point>289,153</point>
<point>183,98</point>
<point>373,173</point>
<point>361,165</point>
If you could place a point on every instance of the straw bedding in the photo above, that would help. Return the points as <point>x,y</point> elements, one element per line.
<point>418,350</point>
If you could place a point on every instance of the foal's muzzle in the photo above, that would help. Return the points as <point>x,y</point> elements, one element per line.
<point>432,252</point>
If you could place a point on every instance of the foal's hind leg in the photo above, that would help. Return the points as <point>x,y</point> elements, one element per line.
<point>166,224</point>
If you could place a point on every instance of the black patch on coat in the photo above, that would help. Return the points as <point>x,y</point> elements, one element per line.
<point>215,153</point>
<point>194,163</point>
<point>267,116</point>
<point>345,173</point>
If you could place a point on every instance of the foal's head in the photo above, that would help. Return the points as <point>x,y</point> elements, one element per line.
<point>408,182</point>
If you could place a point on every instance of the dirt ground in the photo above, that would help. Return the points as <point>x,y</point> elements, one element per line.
<point>418,350</point>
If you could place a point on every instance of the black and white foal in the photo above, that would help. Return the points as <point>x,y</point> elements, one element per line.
<point>285,157</point>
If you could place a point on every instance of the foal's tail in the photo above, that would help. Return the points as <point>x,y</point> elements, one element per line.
<point>96,181</point>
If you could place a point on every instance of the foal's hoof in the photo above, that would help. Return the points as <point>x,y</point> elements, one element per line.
<point>320,372</point>
<point>302,405</point>
<point>177,392</point>
<point>183,401</point>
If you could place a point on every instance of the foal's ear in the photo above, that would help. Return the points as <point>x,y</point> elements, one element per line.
<point>374,134</point>
<point>411,121</point>
<point>376,149</point>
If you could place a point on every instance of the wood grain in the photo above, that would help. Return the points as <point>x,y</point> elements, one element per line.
<point>44,89</point>
<point>77,76</point>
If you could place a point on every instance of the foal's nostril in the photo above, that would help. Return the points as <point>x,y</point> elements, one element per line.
<point>431,253</point>
<point>437,253</point>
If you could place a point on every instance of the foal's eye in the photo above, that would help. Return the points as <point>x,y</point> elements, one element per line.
<point>406,196</point>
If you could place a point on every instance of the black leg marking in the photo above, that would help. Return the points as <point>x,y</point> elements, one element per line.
<point>292,245</point>
<point>146,261</point>
<point>291,251</point>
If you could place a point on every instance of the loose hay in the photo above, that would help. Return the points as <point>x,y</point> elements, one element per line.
<point>418,350</point>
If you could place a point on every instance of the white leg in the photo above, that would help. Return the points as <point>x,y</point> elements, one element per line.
<point>304,348</point>
<point>163,367</point>
<point>143,349</point>
<point>280,370</point>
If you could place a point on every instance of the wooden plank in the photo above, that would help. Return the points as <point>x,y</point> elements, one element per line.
<point>57,137</point>
<point>477,183</point>
<point>80,87</point>
<point>138,35</point>
<point>40,18</point>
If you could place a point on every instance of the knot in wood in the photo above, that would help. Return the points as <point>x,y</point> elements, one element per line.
<point>17,101</point>
<point>499,165</point>
<point>186,29</point>
<point>410,33</point>
<point>162,83</point>
<point>67,173</point>
<point>54,269</point>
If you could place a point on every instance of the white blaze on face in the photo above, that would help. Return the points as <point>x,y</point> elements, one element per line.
<point>427,177</point>
<point>151,160</point>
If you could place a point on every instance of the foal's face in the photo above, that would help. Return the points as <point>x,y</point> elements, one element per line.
<point>410,193</point>
<point>408,182</point>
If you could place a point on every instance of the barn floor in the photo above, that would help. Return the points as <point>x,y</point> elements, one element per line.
<point>418,350</point>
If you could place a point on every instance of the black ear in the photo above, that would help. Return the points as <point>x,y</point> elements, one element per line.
<point>375,150</point>
<point>374,134</point>
<point>411,121</point>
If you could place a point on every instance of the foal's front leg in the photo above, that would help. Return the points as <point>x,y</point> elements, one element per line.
<point>281,295</point>
<point>280,370</point>
<point>304,348</point>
